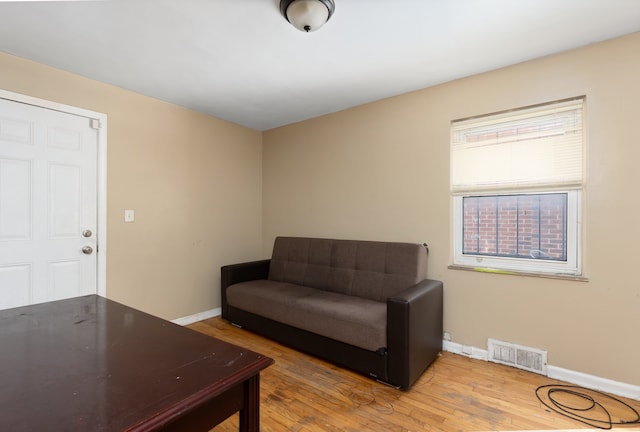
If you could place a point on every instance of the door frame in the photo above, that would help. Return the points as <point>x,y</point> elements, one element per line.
<point>102,172</point>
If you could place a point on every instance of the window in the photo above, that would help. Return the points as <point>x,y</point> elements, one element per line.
<point>516,181</point>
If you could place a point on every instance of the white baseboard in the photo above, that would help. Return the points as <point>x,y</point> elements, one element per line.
<point>465,350</point>
<point>578,378</point>
<point>593,382</point>
<point>197,317</point>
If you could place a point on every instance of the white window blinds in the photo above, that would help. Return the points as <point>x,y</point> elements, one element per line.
<point>538,147</point>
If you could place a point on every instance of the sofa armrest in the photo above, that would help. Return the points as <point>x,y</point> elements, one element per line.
<point>414,331</point>
<point>243,272</point>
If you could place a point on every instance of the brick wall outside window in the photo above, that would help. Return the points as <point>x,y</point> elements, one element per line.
<point>523,226</point>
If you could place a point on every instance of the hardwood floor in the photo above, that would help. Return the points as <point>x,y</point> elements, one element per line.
<point>456,393</point>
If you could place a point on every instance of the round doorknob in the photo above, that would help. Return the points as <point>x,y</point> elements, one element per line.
<point>87,250</point>
<point>87,233</point>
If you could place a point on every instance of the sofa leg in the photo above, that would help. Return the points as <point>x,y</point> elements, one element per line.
<point>388,384</point>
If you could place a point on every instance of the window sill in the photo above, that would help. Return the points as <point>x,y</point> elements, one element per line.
<point>518,273</point>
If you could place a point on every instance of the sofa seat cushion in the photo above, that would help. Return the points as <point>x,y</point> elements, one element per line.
<point>353,320</point>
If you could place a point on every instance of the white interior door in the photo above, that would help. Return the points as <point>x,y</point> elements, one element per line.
<point>48,204</point>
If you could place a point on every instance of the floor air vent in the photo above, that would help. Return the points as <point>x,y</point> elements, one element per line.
<point>531,359</point>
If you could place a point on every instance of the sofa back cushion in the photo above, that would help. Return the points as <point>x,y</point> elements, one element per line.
<point>368,269</point>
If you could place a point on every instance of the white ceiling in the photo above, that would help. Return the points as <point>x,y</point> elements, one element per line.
<point>240,60</point>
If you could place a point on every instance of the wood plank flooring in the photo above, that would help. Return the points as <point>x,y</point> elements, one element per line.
<point>302,393</point>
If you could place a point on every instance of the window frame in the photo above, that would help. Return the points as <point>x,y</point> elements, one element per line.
<point>573,264</point>
<point>556,166</point>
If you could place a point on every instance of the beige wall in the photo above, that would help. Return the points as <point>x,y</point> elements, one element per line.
<point>194,182</point>
<point>381,172</point>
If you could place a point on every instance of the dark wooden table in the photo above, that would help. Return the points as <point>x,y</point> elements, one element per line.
<point>91,364</point>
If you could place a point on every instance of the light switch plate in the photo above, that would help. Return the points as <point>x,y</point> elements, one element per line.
<point>129,216</point>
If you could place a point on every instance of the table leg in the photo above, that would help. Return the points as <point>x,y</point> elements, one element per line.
<point>250,413</point>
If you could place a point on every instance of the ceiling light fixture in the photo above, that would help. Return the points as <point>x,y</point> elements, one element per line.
<point>307,15</point>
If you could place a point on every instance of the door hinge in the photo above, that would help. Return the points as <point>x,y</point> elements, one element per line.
<point>95,124</point>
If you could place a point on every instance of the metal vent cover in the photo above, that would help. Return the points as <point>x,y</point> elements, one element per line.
<point>522,357</point>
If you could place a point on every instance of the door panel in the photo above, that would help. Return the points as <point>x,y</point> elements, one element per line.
<point>64,201</point>
<point>63,279</point>
<point>15,187</point>
<point>15,285</point>
<point>48,197</point>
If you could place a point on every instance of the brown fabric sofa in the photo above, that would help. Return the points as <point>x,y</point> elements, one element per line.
<point>364,305</point>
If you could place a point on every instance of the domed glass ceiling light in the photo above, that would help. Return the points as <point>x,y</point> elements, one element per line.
<point>307,15</point>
